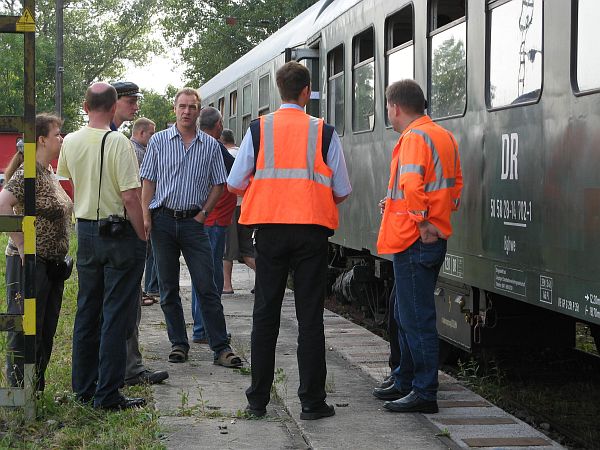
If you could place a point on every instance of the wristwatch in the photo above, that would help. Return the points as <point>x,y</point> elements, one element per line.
<point>205,212</point>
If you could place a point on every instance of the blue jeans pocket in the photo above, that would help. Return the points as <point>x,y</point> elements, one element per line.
<point>432,255</point>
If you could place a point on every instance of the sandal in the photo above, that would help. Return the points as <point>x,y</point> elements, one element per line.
<point>178,355</point>
<point>228,359</point>
<point>147,300</point>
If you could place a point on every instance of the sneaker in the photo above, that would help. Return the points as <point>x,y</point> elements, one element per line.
<point>148,377</point>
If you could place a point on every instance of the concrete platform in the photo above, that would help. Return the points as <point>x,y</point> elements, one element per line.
<point>200,404</point>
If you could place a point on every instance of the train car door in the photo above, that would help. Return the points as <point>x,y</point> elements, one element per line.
<point>312,61</point>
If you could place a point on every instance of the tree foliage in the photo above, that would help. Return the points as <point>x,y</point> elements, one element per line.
<point>99,36</point>
<point>158,107</point>
<point>208,44</point>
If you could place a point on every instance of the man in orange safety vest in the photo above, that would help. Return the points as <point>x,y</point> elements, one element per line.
<point>424,188</point>
<point>291,171</point>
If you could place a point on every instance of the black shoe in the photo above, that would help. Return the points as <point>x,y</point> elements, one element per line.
<point>412,403</point>
<point>389,393</point>
<point>148,377</point>
<point>85,399</point>
<point>387,382</point>
<point>324,410</point>
<point>255,412</point>
<point>124,403</point>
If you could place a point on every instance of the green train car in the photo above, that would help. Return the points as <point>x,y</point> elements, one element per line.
<point>518,83</point>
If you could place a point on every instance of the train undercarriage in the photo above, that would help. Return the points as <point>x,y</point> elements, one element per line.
<point>468,318</point>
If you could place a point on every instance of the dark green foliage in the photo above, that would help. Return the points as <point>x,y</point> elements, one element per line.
<point>208,44</point>
<point>99,36</point>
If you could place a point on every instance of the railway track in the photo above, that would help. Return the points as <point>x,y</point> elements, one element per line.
<point>556,391</point>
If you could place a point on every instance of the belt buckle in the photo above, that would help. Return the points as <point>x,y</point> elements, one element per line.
<point>179,214</point>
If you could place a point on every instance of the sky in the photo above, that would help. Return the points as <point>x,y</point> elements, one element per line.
<point>156,75</point>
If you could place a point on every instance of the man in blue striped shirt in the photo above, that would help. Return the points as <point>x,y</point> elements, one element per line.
<point>183,176</point>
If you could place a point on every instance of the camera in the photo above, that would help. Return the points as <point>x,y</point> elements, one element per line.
<point>113,226</point>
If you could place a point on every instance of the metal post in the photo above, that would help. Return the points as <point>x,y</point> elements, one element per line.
<point>58,96</point>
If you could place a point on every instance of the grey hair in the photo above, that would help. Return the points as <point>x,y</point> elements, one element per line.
<point>227,136</point>
<point>209,117</point>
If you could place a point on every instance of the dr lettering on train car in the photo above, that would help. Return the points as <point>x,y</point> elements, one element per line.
<point>424,188</point>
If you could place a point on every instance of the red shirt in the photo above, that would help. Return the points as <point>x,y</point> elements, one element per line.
<point>223,212</point>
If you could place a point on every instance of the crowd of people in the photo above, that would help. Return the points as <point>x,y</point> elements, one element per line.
<point>187,190</point>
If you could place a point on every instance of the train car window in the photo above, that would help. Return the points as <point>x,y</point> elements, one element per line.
<point>246,107</point>
<point>335,89</point>
<point>233,112</point>
<point>515,53</point>
<point>221,106</point>
<point>363,108</point>
<point>399,49</point>
<point>447,58</point>
<point>264,95</point>
<point>247,100</point>
<point>588,35</point>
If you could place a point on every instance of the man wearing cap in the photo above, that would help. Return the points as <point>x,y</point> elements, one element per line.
<point>128,94</point>
<point>127,104</point>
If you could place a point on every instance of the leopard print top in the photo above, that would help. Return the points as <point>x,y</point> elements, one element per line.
<point>53,213</point>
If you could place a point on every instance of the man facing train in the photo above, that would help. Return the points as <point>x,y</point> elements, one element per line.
<point>424,188</point>
<point>291,170</point>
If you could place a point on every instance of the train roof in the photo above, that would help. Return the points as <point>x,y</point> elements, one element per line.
<point>293,34</point>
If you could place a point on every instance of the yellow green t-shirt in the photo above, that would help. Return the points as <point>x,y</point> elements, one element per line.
<point>79,160</point>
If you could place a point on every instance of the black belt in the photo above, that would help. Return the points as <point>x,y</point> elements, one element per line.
<point>86,220</point>
<point>179,213</point>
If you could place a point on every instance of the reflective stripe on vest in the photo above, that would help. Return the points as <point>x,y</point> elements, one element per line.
<point>439,183</point>
<point>270,172</point>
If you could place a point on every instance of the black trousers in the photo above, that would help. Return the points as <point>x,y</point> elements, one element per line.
<point>47,311</point>
<point>394,359</point>
<point>302,248</point>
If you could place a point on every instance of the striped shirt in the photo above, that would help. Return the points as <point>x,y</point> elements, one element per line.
<point>183,177</point>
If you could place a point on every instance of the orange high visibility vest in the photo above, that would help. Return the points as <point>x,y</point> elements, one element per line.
<point>425,184</point>
<point>292,183</point>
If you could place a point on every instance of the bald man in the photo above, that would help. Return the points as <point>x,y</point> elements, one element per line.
<point>110,235</point>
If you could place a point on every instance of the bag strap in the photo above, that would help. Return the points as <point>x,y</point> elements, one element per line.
<point>101,164</point>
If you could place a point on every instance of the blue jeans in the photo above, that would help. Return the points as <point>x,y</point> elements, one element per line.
<point>151,280</point>
<point>109,271</point>
<point>416,271</point>
<point>170,237</point>
<point>216,236</point>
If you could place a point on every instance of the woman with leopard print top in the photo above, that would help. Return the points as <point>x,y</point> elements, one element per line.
<point>52,228</point>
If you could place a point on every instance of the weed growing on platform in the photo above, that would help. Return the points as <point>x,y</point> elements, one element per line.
<point>280,379</point>
<point>184,408</point>
<point>330,384</point>
<point>243,371</point>
<point>445,432</point>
